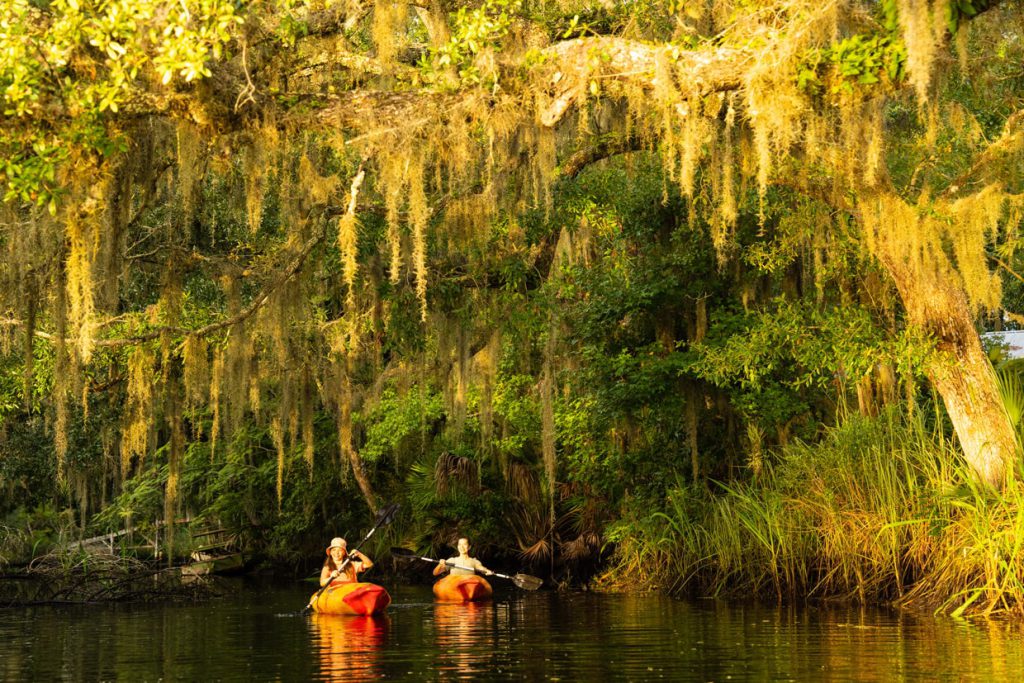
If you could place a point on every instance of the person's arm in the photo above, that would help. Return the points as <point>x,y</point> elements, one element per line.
<point>363,562</point>
<point>480,567</point>
<point>325,576</point>
<point>441,568</point>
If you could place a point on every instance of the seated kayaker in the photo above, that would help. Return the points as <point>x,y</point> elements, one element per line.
<point>337,553</point>
<point>461,564</point>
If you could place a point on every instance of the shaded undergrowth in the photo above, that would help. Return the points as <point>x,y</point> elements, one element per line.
<point>73,577</point>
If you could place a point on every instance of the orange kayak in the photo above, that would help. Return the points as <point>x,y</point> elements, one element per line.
<point>462,588</point>
<point>352,598</point>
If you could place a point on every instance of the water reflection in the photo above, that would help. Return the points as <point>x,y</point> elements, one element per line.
<point>542,636</point>
<point>466,635</point>
<point>349,647</point>
<point>850,644</point>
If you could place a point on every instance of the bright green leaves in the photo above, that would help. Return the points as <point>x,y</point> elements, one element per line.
<point>192,36</point>
<point>28,176</point>
<point>890,15</point>
<point>21,71</point>
<point>957,11</point>
<point>396,420</point>
<point>108,44</point>
<point>868,60</point>
<point>67,65</point>
<point>798,345</point>
<point>473,32</point>
<point>860,60</point>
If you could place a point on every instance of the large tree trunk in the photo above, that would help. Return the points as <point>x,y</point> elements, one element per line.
<point>964,378</point>
<point>935,300</point>
<point>968,389</point>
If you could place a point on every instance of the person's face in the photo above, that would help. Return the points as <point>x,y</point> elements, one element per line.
<point>339,553</point>
<point>463,546</point>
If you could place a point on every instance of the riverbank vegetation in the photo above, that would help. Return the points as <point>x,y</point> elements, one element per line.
<point>877,512</point>
<point>671,295</point>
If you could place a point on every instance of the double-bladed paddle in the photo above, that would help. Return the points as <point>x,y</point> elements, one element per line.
<point>524,581</point>
<point>384,517</point>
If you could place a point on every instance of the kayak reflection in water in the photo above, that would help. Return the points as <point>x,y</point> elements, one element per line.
<point>462,564</point>
<point>466,639</point>
<point>349,647</point>
<point>337,553</point>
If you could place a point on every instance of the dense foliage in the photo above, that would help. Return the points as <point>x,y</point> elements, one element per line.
<point>544,272</point>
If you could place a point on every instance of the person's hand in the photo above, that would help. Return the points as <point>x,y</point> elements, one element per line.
<point>335,573</point>
<point>490,573</point>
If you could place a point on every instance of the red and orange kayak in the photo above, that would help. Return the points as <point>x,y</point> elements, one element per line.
<point>464,588</point>
<point>361,599</point>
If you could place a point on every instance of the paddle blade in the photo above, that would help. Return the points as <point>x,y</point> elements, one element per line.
<point>527,582</point>
<point>403,554</point>
<point>385,515</point>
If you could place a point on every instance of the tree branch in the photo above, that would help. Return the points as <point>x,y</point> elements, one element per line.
<point>293,268</point>
<point>575,164</point>
<point>992,164</point>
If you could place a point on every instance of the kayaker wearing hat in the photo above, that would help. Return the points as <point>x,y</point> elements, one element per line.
<point>462,563</point>
<point>337,552</point>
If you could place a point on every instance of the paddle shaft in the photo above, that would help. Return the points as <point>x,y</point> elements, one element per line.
<point>459,566</point>
<point>523,581</point>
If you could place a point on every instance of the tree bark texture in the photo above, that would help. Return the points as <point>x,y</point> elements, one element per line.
<point>935,300</point>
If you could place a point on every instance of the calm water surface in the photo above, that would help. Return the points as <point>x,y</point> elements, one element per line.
<point>540,636</point>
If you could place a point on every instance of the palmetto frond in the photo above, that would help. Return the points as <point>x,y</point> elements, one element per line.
<point>455,472</point>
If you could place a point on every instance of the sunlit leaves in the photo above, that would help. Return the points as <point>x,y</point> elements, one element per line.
<point>65,65</point>
<point>189,39</point>
<point>811,347</point>
<point>472,32</point>
<point>860,60</point>
<point>395,419</point>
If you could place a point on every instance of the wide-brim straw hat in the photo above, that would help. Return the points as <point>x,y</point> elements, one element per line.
<point>336,542</point>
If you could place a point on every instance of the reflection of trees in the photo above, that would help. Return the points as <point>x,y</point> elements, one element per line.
<point>844,643</point>
<point>466,636</point>
<point>349,646</point>
<point>538,637</point>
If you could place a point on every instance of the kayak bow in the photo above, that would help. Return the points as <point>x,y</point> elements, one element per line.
<point>465,588</point>
<point>351,598</point>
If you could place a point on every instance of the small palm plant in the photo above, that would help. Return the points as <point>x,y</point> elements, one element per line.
<point>1011,390</point>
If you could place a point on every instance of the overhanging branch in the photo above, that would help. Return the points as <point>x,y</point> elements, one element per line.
<point>293,268</point>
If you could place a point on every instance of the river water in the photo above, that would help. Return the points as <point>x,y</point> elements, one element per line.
<point>256,634</point>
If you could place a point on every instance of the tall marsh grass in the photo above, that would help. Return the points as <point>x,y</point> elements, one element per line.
<point>882,510</point>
